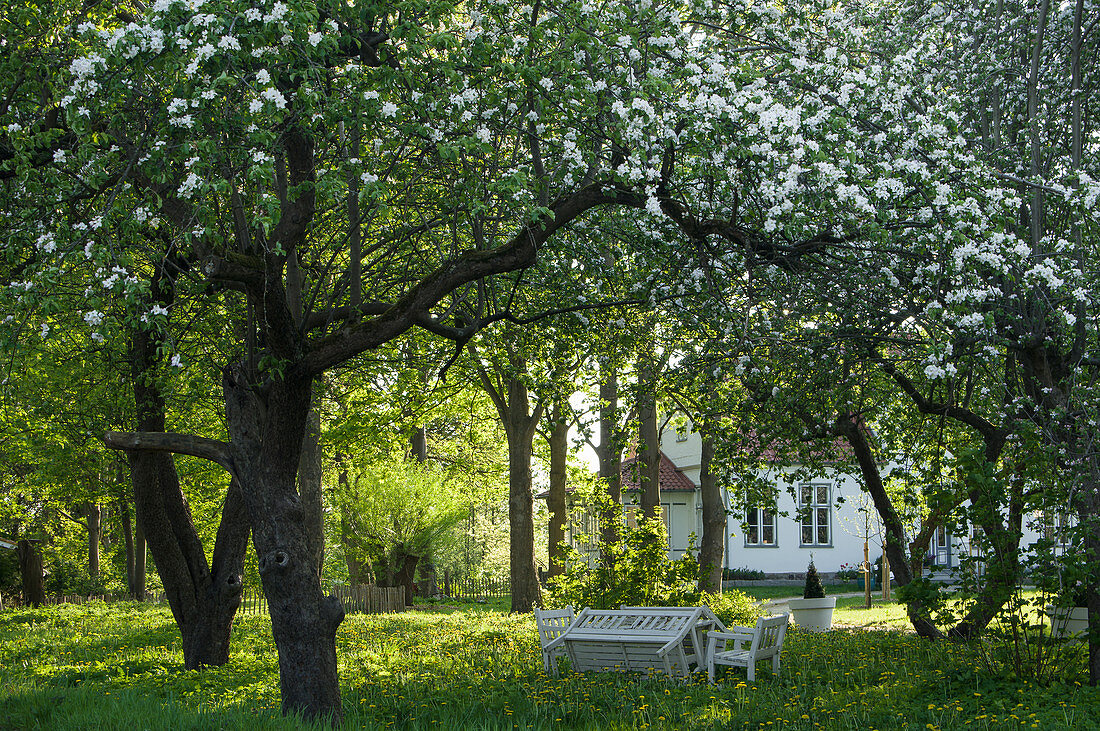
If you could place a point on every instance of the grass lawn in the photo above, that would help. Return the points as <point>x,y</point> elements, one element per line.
<point>119,666</point>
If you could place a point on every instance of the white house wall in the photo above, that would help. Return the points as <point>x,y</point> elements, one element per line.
<point>788,555</point>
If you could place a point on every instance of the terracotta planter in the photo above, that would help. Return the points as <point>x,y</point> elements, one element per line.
<point>813,615</point>
<point>1068,621</point>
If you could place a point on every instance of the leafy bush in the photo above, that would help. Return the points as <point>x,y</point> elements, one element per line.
<point>813,588</point>
<point>742,574</point>
<point>633,569</point>
<point>732,607</point>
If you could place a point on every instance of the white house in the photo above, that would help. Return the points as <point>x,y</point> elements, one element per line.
<point>820,517</point>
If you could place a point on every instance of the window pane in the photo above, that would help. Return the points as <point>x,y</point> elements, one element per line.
<point>807,534</point>
<point>769,536</point>
<point>768,519</point>
<point>751,516</point>
<point>822,494</point>
<point>807,494</point>
<point>753,535</point>
<point>823,535</point>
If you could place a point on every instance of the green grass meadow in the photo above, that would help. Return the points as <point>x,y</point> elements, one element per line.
<point>100,666</point>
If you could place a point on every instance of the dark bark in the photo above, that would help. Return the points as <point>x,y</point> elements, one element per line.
<point>137,584</point>
<point>267,427</point>
<point>406,575</point>
<point>419,444</point>
<point>303,621</point>
<point>609,453</point>
<point>134,541</point>
<point>128,545</point>
<point>512,402</point>
<point>649,449</point>
<point>93,521</point>
<point>30,569</point>
<point>203,597</point>
<point>524,577</point>
<point>713,542</point>
<point>1002,564</point>
<point>894,529</point>
<point>556,495</point>
<point>309,487</point>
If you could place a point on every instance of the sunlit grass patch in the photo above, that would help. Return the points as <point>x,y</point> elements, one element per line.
<point>120,666</point>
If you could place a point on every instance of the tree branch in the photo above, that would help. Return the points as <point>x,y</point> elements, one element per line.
<point>216,451</point>
<point>519,252</point>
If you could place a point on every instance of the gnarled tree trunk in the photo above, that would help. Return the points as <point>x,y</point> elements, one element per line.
<point>204,597</point>
<point>556,495</point>
<point>712,544</point>
<point>609,453</point>
<point>267,427</point>
<point>30,569</point>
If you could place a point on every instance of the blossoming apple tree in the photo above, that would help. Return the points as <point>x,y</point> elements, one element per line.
<point>324,177</point>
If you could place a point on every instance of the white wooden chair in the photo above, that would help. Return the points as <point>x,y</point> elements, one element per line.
<point>551,624</point>
<point>749,645</point>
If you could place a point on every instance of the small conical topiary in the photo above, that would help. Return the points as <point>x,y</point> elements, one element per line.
<point>813,588</point>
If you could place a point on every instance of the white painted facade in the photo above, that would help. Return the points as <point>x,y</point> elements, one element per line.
<point>782,546</point>
<point>786,551</point>
<point>833,534</point>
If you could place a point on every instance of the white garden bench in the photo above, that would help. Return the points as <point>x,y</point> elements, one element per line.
<point>637,639</point>
<point>551,624</point>
<point>749,645</point>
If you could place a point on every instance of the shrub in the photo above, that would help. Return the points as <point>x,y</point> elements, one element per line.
<point>732,607</point>
<point>634,569</point>
<point>742,574</point>
<point>813,588</point>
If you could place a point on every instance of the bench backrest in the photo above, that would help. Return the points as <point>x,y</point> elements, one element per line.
<point>643,623</point>
<point>552,622</point>
<point>767,639</point>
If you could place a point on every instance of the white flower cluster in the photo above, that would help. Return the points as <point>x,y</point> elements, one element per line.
<point>1044,272</point>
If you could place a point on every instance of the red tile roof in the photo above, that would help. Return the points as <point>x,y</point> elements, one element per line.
<point>670,477</point>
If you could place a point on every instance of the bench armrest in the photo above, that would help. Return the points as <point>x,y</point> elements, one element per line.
<point>713,638</point>
<point>556,642</point>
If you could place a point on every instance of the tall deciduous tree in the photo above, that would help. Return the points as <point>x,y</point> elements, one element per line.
<point>348,174</point>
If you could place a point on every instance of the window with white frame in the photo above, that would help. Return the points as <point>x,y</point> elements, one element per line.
<point>815,515</point>
<point>760,527</point>
<point>1056,528</point>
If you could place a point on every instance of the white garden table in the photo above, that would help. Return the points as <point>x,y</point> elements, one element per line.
<point>638,639</point>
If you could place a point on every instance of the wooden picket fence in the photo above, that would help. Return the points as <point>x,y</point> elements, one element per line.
<point>363,598</point>
<point>15,601</point>
<point>476,588</point>
<point>371,599</point>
